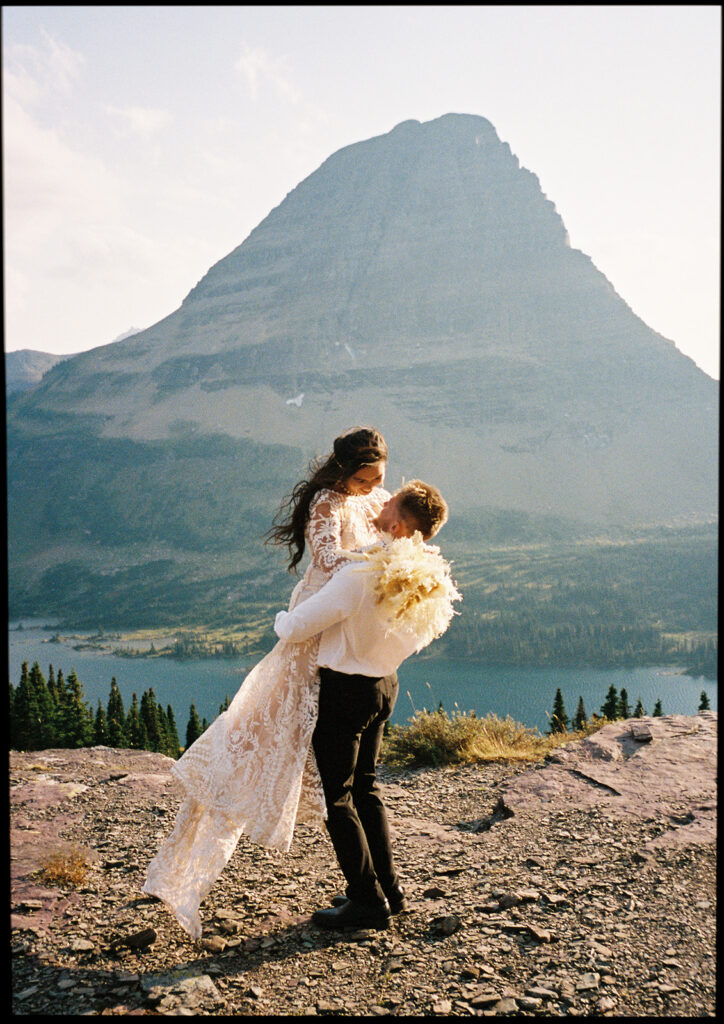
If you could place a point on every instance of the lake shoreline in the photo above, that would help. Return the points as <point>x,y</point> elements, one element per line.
<point>523,693</point>
<point>201,643</point>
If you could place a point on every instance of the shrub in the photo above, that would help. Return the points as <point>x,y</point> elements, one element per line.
<point>438,738</point>
<point>66,867</point>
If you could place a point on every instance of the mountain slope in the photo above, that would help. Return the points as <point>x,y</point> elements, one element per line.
<point>419,281</point>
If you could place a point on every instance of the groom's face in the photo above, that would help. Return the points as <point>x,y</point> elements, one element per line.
<point>391,520</point>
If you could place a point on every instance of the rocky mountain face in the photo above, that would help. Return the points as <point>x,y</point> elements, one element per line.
<point>419,281</point>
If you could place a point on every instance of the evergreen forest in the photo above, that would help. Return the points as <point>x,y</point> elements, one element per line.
<point>54,714</point>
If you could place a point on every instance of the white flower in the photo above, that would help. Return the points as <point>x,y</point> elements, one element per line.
<point>413,586</point>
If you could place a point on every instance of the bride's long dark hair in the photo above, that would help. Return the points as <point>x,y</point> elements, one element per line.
<point>356,448</point>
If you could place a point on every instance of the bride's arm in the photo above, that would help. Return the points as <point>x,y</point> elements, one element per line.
<point>324,532</point>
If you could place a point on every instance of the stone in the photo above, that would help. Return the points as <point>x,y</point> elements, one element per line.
<point>567,992</point>
<point>528,1002</point>
<point>214,944</point>
<point>481,1000</point>
<point>137,940</point>
<point>641,732</point>
<point>538,992</point>
<point>587,981</point>
<point>81,946</point>
<point>446,925</point>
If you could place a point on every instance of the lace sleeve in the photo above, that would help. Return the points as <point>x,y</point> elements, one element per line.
<point>324,532</point>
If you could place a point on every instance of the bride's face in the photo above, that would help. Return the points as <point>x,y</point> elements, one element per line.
<point>365,479</point>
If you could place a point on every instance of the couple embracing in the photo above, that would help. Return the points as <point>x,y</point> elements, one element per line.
<point>301,738</point>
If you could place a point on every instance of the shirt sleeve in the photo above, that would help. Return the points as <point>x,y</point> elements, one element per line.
<point>337,600</point>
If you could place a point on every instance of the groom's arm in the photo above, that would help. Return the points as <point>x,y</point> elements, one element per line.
<point>337,600</point>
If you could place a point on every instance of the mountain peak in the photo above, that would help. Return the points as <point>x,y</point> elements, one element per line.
<point>420,281</point>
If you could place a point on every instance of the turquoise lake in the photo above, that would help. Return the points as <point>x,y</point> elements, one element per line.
<point>525,694</point>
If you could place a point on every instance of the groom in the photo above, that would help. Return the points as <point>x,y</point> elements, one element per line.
<point>359,653</point>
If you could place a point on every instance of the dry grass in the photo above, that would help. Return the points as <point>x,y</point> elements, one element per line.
<point>438,738</point>
<point>65,867</point>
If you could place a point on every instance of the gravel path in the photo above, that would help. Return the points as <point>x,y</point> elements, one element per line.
<point>561,911</point>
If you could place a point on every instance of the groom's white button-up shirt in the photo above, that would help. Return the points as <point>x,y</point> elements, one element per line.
<point>355,637</point>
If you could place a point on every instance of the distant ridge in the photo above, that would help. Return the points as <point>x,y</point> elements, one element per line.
<point>25,368</point>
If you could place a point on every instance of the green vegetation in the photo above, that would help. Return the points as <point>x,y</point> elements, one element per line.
<point>645,599</point>
<point>614,708</point>
<point>173,534</point>
<point>649,599</point>
<point>173,537</point>
<point>54,714</point>
<point>559,718</point>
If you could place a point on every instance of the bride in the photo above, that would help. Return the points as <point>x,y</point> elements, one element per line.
<point>253,770</point>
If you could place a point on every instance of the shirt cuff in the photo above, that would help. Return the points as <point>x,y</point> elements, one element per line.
<point>279,627</point>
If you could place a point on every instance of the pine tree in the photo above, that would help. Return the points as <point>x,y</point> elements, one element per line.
<point>579,719</point>
<point>51,684</point>
<point>174,746</point>
<point>657,709</point>
<point>703,701</point>
<point>25,727</point>
<point>151,720</point>
<point>55,696</point>
<point>46,708</point>
<point>194,727</point>
<point>163,729</point>
<point>61,699</point>
<point>225,706</point>
<point>100,729</point>
<point>624,711</point>
<point>76,716</point>
<point>136,736</point>
<point>559,718</point>
<point>609,709</point>
<point>116,717</point>
<point>639,710</point>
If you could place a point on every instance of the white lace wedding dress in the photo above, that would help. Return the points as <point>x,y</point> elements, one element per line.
<point>253,771</point>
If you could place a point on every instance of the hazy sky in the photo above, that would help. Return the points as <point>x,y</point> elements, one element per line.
<point>142,144</point>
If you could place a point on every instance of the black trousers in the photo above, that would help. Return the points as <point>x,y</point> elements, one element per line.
<point>353,710</point>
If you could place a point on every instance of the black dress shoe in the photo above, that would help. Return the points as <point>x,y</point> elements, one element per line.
<point>396,900</point>
<point>353,915</point>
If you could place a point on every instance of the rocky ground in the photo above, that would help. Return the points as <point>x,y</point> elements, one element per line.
<point>582,886</point>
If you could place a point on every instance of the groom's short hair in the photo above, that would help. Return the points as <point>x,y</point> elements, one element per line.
<point>425,505</point>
